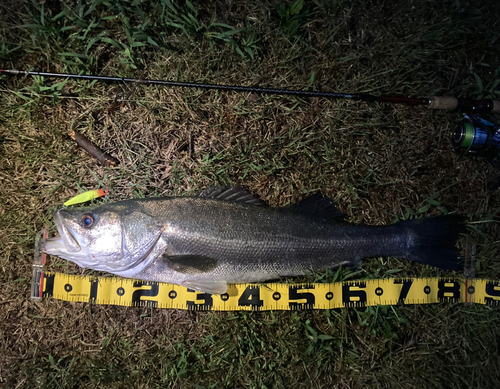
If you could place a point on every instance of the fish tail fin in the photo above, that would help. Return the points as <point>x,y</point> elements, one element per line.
<point>433,240</point>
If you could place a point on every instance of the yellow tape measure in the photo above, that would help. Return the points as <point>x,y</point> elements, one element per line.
<point>271,296</point>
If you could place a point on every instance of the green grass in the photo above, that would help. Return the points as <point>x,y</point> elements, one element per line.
<point>380,163</point>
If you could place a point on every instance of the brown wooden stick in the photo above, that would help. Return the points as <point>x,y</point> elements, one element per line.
<point>96,152</point>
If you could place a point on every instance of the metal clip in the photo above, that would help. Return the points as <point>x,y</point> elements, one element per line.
<point>38,264</point>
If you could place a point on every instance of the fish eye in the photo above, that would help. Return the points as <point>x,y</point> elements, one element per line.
<point>87,221</point>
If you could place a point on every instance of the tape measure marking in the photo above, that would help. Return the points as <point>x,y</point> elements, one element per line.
<point>272,296</point>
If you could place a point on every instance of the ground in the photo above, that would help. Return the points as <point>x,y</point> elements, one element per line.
<point>379,162</point>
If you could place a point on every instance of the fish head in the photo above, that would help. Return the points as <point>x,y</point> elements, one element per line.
<point>112,238</point>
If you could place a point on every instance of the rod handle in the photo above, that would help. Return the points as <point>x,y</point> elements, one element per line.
<point>496,107</point>
<point>452,103</point>
<point>443,102</point>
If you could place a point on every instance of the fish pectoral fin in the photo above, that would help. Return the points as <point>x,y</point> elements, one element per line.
<point>190,264</point>
<point>206,286</point>
<point>195,265</point>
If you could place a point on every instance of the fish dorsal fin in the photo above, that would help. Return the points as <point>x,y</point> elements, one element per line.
<point>319,206</point>
<point>190,264</point>
<point>236,194</point>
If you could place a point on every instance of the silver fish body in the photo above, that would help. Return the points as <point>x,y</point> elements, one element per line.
<point>223,237</point>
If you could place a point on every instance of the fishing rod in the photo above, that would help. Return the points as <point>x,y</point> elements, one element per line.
<point>475,137</point>
<point>447,103</point>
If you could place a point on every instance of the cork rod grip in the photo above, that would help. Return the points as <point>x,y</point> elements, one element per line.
<point>452,104</point>
<point>442,102</point>
<point>496,107</point>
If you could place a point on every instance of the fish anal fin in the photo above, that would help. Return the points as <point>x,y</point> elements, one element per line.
<point>318,206</point>
<point>190,264</point>
<point>236,194</point>
<point>206,286</point>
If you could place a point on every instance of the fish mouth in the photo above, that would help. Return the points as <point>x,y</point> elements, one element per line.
<point>65,242</point>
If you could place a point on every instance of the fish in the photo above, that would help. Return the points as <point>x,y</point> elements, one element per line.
<point>226,236</point>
